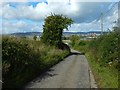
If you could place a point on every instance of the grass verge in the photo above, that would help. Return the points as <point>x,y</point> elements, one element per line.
<point>102,54</point>
<point>106,77</point>
<point>24,59</point>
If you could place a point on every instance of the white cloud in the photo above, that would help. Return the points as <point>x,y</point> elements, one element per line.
<point>95,25</point>
<point>40,11</point>
<point>59,0</point>
<point>13,0</point>
<point>81,0</point>
<point>76,11</point>
<point>85,27</point>
<point>20,26</point>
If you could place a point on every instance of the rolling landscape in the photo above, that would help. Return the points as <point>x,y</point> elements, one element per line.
<point>63,44</point>
<point>64,33</point>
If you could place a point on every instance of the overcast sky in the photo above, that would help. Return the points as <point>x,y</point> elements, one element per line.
<point>27,16</point>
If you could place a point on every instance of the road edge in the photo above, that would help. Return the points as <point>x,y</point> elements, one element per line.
<point>93,83</point>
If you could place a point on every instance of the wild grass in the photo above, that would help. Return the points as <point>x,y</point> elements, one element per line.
<point>23,59</point>
<point>106,77</point>
<point>102,54</point>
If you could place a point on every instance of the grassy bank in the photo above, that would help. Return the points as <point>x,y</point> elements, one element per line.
<point>106,77</point>
<point>102,55</point>
<point>24,59</point>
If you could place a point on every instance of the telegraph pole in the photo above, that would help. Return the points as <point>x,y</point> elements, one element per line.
<point>101,23</point>
<point>69,2</point>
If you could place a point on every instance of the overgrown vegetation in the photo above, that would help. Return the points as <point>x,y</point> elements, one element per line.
<point>25,59</point>
<point>102,54</point>
<point>35,37</point>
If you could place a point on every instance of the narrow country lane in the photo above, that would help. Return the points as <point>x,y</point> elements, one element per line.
<point>73,72</point>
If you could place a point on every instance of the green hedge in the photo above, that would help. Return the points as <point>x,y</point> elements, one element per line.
<point>23,59</point>
<point>104,48</point>
<point>102,54</point>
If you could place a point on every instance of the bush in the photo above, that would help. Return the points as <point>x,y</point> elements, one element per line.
<point>102,54</point>
<point>82,43</point>
<point>25,59</point>
<point>35,37</point>
<point>74,40</point>
<point>104,49</point>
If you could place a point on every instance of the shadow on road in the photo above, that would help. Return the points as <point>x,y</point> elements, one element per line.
<point>47,74</point>
<point>75,53</point>
<point>50,72</point>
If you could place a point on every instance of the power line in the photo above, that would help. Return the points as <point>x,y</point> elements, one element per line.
<point>113,6</point>
<point>69,2</point>
<point>103,14</point>
<point>108,11</point>
<point>101,23</point>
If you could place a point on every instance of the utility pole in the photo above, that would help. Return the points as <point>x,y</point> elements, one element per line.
<point>101,23</point>
<point>69,2</point>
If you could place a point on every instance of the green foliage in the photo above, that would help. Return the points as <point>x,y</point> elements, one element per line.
<point>102,54</point>
<point>53,28</point>
<point>35,37</point>
<point>24,59</point>
<point>108,48</point>
<point>74,40</point>
<point>105,77</point>
<point>105,49</point>
<point>65,38</point>
<point>82,43</point>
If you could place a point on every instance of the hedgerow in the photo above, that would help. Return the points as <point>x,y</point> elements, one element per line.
<point>24,59</point>
<point>104,48</point>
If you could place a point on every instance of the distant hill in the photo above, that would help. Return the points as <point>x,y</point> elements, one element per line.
<point>64,33</point>
<point>97,32</point>
<point>27,34</point>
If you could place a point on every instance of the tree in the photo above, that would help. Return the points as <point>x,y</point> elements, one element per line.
<point>53,28</point>
<point>74,39</point>
<point>35,37</point>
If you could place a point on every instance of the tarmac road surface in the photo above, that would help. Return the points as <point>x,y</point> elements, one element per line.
<point>72,72</point>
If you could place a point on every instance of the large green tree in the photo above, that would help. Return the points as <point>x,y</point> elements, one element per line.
<point>53,28</point>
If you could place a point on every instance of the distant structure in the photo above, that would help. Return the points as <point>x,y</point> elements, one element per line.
<point>69,2</point>
<point>101,23</point>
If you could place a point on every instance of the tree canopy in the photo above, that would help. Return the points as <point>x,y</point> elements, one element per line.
<point>53,28</point>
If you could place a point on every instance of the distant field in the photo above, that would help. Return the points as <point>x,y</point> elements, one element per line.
<point>66,41</point>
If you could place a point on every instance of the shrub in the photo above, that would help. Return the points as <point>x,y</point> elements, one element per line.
<point>74,40</point>
<point>102,54</point>
<point>35,37</point>
<point>108,48</point>
<point>22,60</point>
<point>104,49</point>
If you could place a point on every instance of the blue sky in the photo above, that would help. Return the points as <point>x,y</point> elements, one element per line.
<point>29,16</point>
